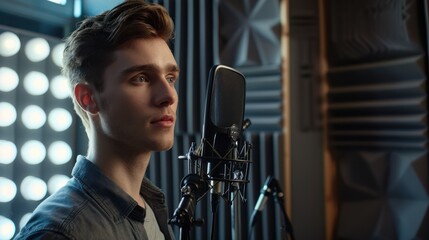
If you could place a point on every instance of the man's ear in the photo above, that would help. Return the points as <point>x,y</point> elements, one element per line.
<point>84,95</point>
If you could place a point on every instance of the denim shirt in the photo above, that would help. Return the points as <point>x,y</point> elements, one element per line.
<point>91,206</point>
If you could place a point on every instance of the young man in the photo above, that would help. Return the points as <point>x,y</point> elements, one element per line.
<point>122,74</point>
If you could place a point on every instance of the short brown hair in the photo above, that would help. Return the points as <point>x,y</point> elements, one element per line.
<point>88,50</point>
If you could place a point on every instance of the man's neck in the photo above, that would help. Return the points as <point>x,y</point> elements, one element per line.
<point>127,171</point>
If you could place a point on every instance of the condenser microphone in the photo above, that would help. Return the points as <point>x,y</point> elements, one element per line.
<point>267,190</point>
<point>271,188</point>
<point>223,122</point>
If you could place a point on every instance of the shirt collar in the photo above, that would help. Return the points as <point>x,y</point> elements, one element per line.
<point>152,193</point>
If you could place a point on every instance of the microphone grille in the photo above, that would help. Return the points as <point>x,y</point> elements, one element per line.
<point>228,98</point>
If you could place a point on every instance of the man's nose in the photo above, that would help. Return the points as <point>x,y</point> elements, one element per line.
<point>165,93</point>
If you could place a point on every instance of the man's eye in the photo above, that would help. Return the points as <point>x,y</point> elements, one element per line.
<point>141,78</point>
<point>171,79</point>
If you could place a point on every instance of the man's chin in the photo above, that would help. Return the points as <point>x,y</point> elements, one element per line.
<point>164,146</point>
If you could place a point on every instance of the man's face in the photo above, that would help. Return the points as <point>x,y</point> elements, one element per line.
<point>139,100</point>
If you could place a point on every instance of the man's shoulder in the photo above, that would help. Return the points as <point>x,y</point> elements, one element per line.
<point>61,214</point>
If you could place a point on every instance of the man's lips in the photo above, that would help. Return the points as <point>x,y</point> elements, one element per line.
<point>165,121</point>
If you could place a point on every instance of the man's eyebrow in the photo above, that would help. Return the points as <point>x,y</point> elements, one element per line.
<point>149,68</point>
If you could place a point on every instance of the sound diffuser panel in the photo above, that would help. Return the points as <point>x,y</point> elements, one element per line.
<point>249,40</point>
<point>379,105</point>
<point>384,195</point>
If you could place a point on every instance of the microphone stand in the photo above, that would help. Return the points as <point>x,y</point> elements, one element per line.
<point>236,201</point>
<point>236,216</point>
<point>236,177</point>
<point>279,198</point>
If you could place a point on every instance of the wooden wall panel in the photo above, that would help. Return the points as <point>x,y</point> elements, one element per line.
<point>306,152</point>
